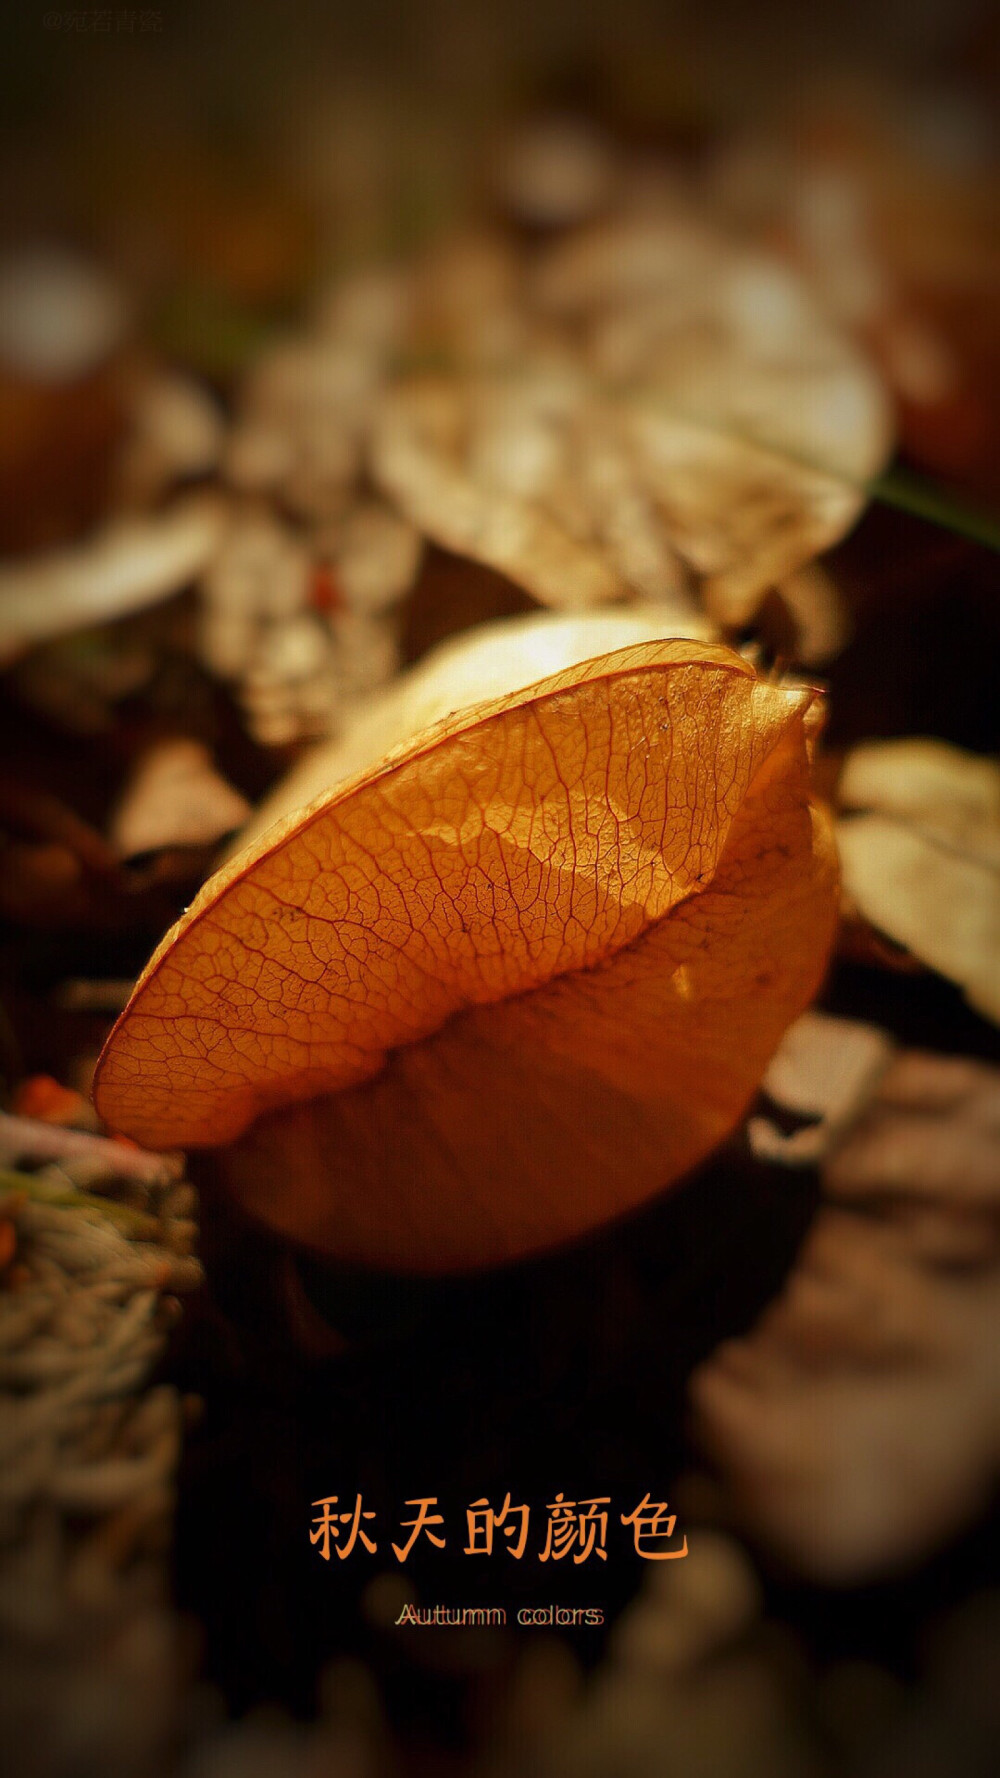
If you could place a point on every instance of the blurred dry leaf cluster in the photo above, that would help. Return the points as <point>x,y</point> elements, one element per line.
<point>920,845</point>
<point>644,407</point>
<point>857,1424</point>
<point>887,200</point>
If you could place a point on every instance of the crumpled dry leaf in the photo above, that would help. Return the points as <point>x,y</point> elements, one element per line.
<point>133,563</point>
<point>758,422</point>
<point>471,517</point>
<point>644,405</point>
<point>175,797</point>
<point>823,1068</point>
<point>713,400</point>
<point>623,262</point>
<point>301,429</point>
<point>953,794</point>
<point>258,577</point>
<point>376,555</point>
<point>922,863</point>
<point>858,1424</point>
<point>931,1135</point>
<point>467,303</point>
<point>507,983</point>
<point>897,232</point>
<point>303,634</point>
<point>724,335</point>
<point>554,171</point>
<point>176,430</point>
<point>815,604</point>
<point>630,527</point>
<point>745,516</point>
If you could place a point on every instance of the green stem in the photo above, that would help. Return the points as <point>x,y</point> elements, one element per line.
<point>910,493</point>
<point>69,1197</point>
